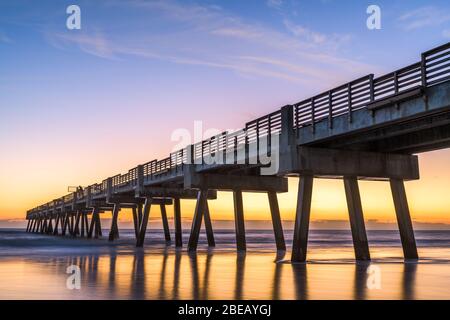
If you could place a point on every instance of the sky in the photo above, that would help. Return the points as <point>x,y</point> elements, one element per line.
<point>77,106</point>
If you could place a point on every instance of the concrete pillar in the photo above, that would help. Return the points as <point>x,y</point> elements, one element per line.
<point>208,227</point>
<point>239,220</point>
<point>64,223</point>
<point>197,220</point>
<point>98,226</point>
<point>165,222</point>
<point>357,225</point>
<point>83,215</point>
<point>76,229</point>
<point>139,214</point>
<point>50,226</point>
<point>143,228</point>
<point>135,222</point>
<point>86,222</point>
<point>300,242</point>
<point>71,224</point>
<point>177,222</point>
<point>276,221</point>
<point>55,230</point>
<point>28,225</point>
<point>114,232</point>
<point>404,219</point>
<point>93,222</point>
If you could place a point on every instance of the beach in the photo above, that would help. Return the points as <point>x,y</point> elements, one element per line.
<point>35,267</point>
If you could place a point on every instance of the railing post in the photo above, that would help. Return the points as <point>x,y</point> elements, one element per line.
<point>423,70</point>
<point>88,196</point>
<point>330,109</point>
<point>313,118</point>
<point>372,89</point>
<point>349,102</point>
<point>140,180</point>
<point>396,82</point>
<point>109,186</point>
<point>288,142</point>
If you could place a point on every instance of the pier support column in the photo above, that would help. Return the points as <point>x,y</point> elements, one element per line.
<point>208,227</point>
<point>71,224</point>
<point>143,227</point>
<point>94,227</point>
<point>197,220</point>
<point>114,232</point>
<point>177,222</point>
<point>239,220</point>
<point>165,222</point>
<point>35,221</point>
<point>300,242</point>
<point>50,226</point>
<point>357,225</point>
<point>83,220</point>
<point>64,223</point>
<point>86,223</point>
<point>404,219</point>
<point>28,225</point>
<point>139,214</point>
<point>76,229</point>
<point>55,230</point>
<point>135,222</point>
<point>276,221</point>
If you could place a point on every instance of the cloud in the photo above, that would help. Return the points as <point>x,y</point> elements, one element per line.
<point>423,17</point>
<point>212,37</point>
<point>316,38</point>
<point>95,44</point>
<point>274,3</point>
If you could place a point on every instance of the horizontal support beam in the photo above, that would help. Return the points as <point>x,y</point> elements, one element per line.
<point>193,180</point>
<point>338,163</point>
<point>174,193</point>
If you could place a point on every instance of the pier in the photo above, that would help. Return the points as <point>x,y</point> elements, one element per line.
<point>369,128</point>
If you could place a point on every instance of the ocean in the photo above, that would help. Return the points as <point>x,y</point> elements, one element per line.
<point>34,266</point>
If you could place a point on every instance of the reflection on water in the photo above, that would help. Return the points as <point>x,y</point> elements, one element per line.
<point>158,272</point>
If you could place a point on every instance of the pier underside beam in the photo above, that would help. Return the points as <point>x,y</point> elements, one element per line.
<point>339,163</point>
<point>193,180</point>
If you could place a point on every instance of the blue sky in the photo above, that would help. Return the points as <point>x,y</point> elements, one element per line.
<point>138,70</point>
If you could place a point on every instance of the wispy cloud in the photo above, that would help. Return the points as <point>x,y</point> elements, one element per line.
<point>274,3</point>
<point>95,44</point>
<point>211,37</point>
<point>424,17</point>
<point>316,38</point>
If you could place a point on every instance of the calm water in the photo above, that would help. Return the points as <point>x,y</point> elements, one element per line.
<point>34,267</point>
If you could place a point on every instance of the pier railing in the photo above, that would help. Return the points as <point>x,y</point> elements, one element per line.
<point>433,69</point>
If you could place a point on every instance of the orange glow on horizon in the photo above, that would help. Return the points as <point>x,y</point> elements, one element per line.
<point>428,197</point>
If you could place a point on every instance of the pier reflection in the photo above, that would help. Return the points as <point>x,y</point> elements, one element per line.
<point>175,274</point>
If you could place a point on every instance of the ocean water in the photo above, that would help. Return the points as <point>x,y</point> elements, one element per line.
<point>36,266</point>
